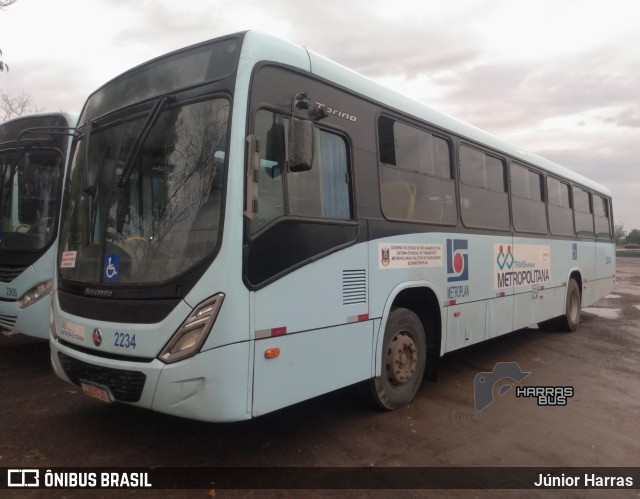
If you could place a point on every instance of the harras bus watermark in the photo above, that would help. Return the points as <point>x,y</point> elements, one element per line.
<point>485,382</point>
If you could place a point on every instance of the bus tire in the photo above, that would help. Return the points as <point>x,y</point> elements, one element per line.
<point>404,356</point>
<point>571,319</point>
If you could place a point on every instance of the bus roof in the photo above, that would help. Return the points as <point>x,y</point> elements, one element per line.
<point>70,117</point>
<point>266,47</point>
<point>11,129</point>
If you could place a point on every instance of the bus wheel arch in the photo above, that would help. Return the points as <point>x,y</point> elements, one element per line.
<point>409,347</point>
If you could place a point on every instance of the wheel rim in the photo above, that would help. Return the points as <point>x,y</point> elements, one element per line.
<point>402,359</point>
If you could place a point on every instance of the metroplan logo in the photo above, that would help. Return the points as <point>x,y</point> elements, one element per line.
<point>457,260</point>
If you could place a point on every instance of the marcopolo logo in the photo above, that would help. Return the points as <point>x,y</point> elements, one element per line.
<point>457,260</point>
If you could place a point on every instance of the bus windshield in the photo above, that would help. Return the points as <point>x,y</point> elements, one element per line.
<point>29,198</point>
<point>146,193</point>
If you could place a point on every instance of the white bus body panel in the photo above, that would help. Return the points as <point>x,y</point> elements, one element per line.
<point>318,316</point>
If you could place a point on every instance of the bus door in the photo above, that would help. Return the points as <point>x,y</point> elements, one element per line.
<point>310,299</point>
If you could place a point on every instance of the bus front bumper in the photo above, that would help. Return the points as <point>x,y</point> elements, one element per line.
<point>214,385</point>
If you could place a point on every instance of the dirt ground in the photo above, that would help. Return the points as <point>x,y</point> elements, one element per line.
<point>45,422</point>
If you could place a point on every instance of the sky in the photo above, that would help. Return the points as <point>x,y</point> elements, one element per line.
<point>560,78</point>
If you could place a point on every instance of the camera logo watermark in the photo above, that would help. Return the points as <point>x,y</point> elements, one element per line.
<point>485,382</point>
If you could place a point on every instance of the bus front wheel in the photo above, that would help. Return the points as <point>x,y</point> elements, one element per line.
<point>404,356</point>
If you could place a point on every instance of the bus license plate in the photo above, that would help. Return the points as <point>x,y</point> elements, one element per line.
<point>94,390</point>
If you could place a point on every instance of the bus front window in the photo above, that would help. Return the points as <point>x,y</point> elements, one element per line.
<point>29,198</point>
<point>147,205</point>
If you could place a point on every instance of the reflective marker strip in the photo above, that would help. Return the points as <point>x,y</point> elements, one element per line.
<point>268,333</point>
<point>358,318</point>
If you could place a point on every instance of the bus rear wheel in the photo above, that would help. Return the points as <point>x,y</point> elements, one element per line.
<point>570,321</point>
<point>404,357</point>
<point>571,318</point>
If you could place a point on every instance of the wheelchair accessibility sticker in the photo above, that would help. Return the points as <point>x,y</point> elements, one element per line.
<point>111,267</point>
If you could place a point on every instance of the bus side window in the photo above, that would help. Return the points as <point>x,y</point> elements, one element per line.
<point>559,204</point>
<point>602,218</point>
<point>483,194</point>
<point>583,213</point>
<point>272,154</point>
<point>321,192</point>
<point>399,199</point>
<point>529,212</point>
<point>416,181</point>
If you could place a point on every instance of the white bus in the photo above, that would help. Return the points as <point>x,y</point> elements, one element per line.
<point>248,225</point>
<point>33,159</point>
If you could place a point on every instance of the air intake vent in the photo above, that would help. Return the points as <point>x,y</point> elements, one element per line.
<point>354,287</point>
<point>8,320</point>
<point>9,272</point>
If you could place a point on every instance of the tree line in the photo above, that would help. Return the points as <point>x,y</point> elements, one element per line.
<point>622,237</point>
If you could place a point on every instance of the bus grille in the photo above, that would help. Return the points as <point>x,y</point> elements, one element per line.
<point>126,386</point>
<point>8,320</point>
<point>354,287</point>
<point>9,272</point>
<point>133,311</point>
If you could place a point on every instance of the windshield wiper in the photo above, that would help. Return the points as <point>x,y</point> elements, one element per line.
<point>142,136</point>
<point>84,133</point>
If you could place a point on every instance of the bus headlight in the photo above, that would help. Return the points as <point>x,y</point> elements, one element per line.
<point>190,336</point>
<point>34,294</point>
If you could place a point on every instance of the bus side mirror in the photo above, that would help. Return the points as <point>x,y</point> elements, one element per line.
<point>300,150</point>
